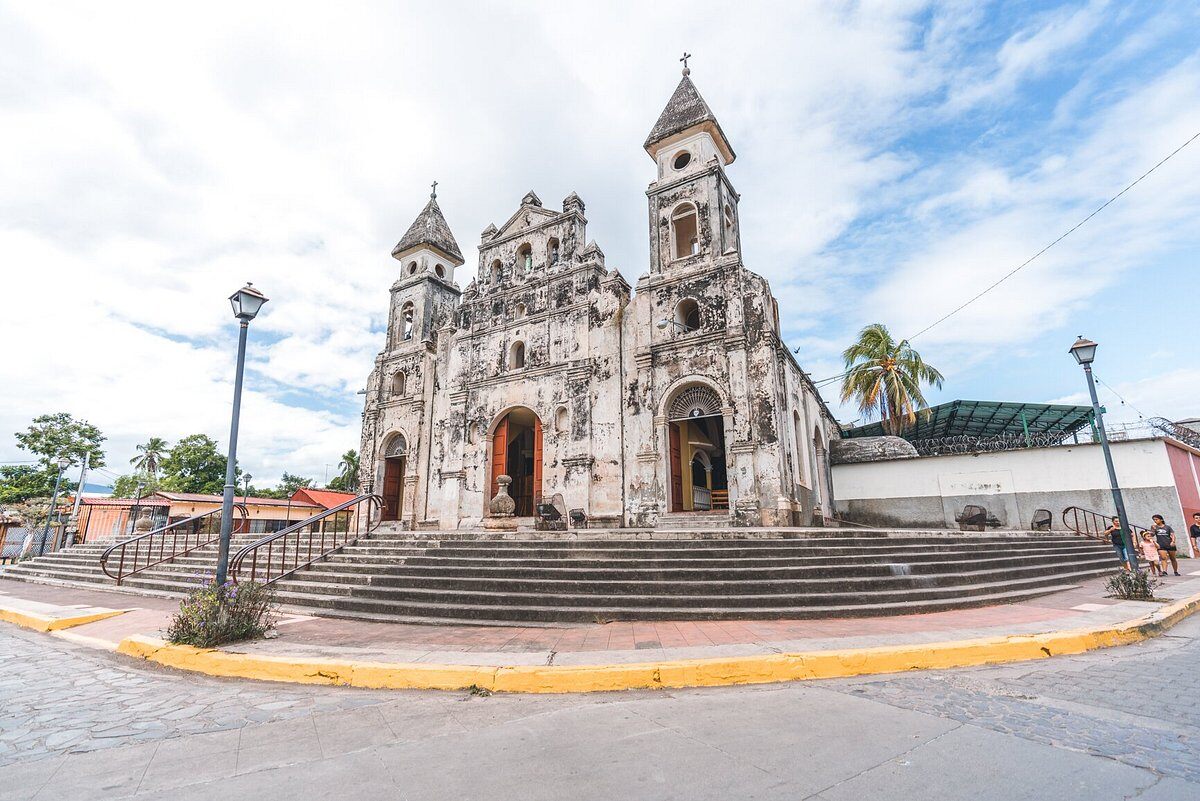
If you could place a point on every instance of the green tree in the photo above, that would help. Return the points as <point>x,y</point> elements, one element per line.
<point>150,456</point>
<point>884,377</point>
<point>287,485</point>
<point>22,482</point>
<point>127,486</point>
<point>194,465</point>
<point>51,436</point>
<point>347,479</point>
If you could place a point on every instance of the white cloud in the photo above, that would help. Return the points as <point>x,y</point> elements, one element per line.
<point>153,157</point>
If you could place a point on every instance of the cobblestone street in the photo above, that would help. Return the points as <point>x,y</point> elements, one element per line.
<point>1121,723</point>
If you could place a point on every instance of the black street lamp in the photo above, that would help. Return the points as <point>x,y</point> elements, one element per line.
<point>63,462</point>
<point>246,303</point>
<point>1084,351</point>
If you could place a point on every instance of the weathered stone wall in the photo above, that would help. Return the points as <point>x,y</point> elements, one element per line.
<point>599,371</point>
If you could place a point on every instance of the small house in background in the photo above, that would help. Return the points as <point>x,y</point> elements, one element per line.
<point>326,499</point>
<point>103,519</point>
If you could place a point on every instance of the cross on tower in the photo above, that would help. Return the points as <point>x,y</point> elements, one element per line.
<point>686,56</point>
<point>433,193</point>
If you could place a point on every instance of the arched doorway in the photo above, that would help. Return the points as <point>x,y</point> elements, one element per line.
<point>517,453</point>
<point>394,457</point>
<point>696,430</point>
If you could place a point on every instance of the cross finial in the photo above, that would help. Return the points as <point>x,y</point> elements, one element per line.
<point>686,56</point>
<point>433,192</point>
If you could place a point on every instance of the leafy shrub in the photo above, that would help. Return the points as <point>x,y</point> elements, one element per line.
<point>1136,586</point>
<point>216,614</point>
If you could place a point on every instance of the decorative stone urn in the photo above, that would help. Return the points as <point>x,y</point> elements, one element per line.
<point>143,525</point>
<point>500,508</point>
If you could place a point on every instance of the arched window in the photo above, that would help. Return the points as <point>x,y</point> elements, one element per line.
<point>798,431</point>
<point>516,355</point>
<point>687,314</point>
<point>525,256</point>
<point>399,383</point>
<point>684,231</point>
<point>412,268</point>
<point>496,271</point>
<point>406,316</point>
<point>440,270</point>
<point>552,251</point>
<point>519,311</point>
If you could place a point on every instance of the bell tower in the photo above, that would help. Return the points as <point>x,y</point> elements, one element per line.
<point>693,205</point>
<point>428,256</point>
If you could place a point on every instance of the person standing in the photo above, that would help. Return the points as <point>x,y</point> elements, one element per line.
<point>1165,535</point>
<point>1194,533</point>
<point>1149,548</point>
<point>1117,536</point>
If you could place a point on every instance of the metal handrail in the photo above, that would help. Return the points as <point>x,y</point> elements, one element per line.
<point>311,540</point>
<point>185,536</point>
<point>1094,523</point>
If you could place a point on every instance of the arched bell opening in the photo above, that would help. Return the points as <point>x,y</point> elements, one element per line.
<point>699,479</point>
<point>516,451</point>
<point>395,454</point>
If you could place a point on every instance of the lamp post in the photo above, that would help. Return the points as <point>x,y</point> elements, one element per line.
<point>62,465</point>
<point>1084,351</point>
<point>246,303</point>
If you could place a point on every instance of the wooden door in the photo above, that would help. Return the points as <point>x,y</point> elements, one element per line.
<point>499,457</point>
<point>537,460</point>
<point>676,469</point>
<point>393,481</point>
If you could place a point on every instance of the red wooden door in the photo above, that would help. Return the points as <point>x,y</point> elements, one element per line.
<point>499,457</point>
<point>393,472</point>
<point>537,460</point>
<point>676,470</point>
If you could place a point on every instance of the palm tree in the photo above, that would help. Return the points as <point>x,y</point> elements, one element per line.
<point>348,478</point>
<point>149,456</point>
<point>884,378</point>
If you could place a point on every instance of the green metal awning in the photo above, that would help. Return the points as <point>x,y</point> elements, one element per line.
<point>987,419</point>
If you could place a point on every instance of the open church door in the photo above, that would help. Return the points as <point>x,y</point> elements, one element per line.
<point>676,469</point>
<point>537,460</point>
<point>499,457</point>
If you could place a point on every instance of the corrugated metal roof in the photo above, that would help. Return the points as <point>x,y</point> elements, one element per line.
<point>986,419</point>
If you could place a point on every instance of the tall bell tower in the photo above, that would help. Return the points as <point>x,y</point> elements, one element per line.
<point>693,205</point>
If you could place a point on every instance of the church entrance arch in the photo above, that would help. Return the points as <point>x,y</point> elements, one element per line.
<point>699,481</point>
<point>516,451</point>
<point>395,456</point>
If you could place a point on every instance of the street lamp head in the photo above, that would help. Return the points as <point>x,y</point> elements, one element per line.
<point>663,323</point>
<point>1084,350</point>
<point>64,462</point>
<point>246,302</point>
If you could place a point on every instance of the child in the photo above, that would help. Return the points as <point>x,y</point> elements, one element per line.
<point>1150,552</point>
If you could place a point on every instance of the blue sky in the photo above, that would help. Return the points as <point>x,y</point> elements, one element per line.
<point>893,159</point>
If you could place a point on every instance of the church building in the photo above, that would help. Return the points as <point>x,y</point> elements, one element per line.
<point>669,404</point>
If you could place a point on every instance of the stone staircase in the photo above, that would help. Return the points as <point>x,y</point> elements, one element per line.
<point>594,576</point>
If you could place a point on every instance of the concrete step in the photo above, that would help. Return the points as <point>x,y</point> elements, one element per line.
<point>339,606</point>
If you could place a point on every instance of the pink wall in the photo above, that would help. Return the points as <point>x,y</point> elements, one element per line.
<point>1185,466</point>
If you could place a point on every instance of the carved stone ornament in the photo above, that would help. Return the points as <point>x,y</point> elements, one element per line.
<point>502,505</point>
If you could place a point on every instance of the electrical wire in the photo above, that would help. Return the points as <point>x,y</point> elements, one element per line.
<point>1027,262</point>
<point>1070,231</point>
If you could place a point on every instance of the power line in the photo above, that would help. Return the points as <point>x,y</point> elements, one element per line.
<point>1072,230</point>
<point>1118,394</point>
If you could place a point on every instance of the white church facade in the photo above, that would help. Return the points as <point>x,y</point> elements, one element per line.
<point>658,405</point>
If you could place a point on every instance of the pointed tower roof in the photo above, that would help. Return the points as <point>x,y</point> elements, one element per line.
<point>685,111</point>
<point>430,229</point>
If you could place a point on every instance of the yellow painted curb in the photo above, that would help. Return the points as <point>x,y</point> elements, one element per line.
<point>39,622</point>
<point>758,669</point>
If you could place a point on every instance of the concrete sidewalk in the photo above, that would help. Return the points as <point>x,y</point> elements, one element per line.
<point>566,658</point>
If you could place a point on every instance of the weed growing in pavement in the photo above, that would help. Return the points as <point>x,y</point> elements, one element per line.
<point>1136,586</point>
<point>217,614</point>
